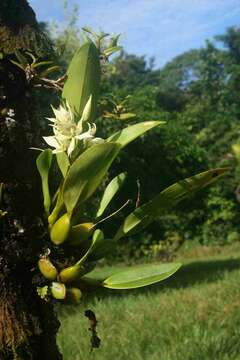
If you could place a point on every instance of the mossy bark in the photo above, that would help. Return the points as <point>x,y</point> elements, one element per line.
<point>28,325</point>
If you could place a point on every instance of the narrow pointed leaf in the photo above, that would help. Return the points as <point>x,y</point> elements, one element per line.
<point>42,63</point>
<point>112,50</point>
<point>87,172</point>
<point>130,133</point>
<point>140,275</point>
<point>100,274</point>
<point>145,214</point>
<point>44,161</point>
<point>18,65</point>
<point>49,70</point>
<point>127,116</point>
<point>113,187</point>
<point>83,79</point>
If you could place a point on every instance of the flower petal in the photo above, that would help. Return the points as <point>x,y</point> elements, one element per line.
<point>79,128</point>
<point>71,146</point>
<point>51,119</point>
<point>51,140</point>
<point>85,135</point>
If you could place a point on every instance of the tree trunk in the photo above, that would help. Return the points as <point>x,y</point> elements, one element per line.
<point>28,324</point>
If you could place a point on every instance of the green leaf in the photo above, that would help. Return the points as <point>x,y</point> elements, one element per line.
<point>145,214</point>
<point>42,63</point>
<point>127,116</point>
<point>83,78</point>
<point>63,163</point>
<point>89,31</point>
<point>44,161</point>
<point>18,65</point>
<point>113,187</point>
<point>89,169</point>
<point>140,275</point>
<point>112,50</point>
<point>34,59</point>
<point>114,40</point>
<point>130,133</point>
<point>236,151</point>
<point>49,70</point>
<point>100,274</point>
<point>87,172</point>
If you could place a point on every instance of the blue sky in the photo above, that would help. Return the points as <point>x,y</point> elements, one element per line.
<point>159,28</point>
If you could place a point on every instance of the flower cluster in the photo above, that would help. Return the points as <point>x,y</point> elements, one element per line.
<point>68,132</point>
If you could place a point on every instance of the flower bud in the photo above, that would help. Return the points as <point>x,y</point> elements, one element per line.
<point>58,291</point>
<point>60,230</point>
<point>47,269</point>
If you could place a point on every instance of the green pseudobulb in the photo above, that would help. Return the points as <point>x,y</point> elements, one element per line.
<point>74,295</point>
<point>47,269</point>
<point>58,291</point>
<point>80,233</point>
<point>60,230</point>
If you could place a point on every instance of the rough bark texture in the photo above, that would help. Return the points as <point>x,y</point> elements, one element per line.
<point>28,325</point>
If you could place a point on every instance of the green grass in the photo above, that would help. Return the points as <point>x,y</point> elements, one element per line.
<point>195,315</point>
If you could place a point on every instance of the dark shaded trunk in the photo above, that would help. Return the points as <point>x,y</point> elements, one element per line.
<point>28,325</point>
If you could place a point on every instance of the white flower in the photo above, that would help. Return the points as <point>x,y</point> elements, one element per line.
<point>68,132</point>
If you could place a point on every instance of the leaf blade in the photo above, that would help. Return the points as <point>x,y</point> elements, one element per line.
<point>140,276</point>
<point>112,188</point>
<point>145,214</point>
<point>63,163</point>
<point>83,79</point>
<point>44,161</point>
<point>87,172</point>
<point>130,133</point>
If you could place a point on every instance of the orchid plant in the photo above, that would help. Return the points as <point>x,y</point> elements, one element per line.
<point>83,161</point>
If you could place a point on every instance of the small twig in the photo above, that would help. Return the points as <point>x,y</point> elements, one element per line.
<point>52,84</point>
<point>138,194</point>
<point>114,213</point>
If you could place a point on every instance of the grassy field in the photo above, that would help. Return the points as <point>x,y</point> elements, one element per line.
<point>195,315</point>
